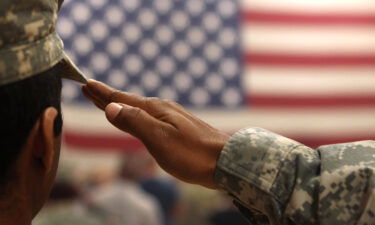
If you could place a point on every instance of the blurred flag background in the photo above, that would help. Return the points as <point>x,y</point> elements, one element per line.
<point>301,68</point>
<point>305,69</point>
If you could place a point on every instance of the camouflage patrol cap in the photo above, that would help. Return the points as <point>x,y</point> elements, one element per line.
<point>29,43</point>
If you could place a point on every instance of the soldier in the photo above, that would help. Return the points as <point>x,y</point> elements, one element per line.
<point>32,63</point>
<point>273,179</point>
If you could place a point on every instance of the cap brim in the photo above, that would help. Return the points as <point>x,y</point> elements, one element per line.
<point>70,70</point>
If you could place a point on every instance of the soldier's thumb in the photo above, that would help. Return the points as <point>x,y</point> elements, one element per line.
<point>130,119</point>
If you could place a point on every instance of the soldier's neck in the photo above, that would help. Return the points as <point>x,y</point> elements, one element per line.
<point>14,212</point>
<point>14,220</point>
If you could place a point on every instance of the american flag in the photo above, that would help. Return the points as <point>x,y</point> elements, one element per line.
<point>302,68</point>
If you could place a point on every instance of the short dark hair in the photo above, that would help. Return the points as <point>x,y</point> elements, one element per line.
<point>22,103</point>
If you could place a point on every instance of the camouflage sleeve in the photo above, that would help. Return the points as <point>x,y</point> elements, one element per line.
<point>281,180</point>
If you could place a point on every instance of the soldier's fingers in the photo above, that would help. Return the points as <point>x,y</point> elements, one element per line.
<point>106,94</point>
<point>86,92</point>
<point>136,121</point>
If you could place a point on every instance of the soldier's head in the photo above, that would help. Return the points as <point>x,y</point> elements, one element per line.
<point>30,118</point>
<point>32,63</point>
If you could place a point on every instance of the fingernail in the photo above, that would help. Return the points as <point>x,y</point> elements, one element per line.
<point>112,110</point>
<point>99,88</point>
<point>91,81</point>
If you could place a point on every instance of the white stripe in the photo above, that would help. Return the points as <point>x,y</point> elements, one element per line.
<point>323,122</point>
<point>88,162</point>
<point>86,119</point>
<point>310,81</point>
<point>309,40</point>
<point>329,122</point>
<point>312,6</point>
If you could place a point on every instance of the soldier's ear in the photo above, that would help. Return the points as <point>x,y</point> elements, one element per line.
<point>44,141</point>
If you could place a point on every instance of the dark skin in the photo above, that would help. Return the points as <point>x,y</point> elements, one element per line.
<point>182,144</point>
<point>33,174</point>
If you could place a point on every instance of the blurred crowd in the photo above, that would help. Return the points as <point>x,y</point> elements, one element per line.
<point>138,192</point>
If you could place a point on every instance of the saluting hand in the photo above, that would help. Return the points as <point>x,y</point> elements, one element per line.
<point>183,145</point>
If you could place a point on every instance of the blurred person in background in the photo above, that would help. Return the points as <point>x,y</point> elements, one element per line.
<point>32,63</point>
<point>64,207</point>
<point>226,214</point>
<point>162,188</point>
<point>273,179</point>
<point>99,176</point>
<point>122,201</point>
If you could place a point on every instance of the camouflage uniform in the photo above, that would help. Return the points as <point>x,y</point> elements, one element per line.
<point>276,180</point>
<point>29,43</point>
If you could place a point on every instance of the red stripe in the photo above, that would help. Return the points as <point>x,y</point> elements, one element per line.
<point>254,16</point>
<point>309,102</point>
<point>97,142</point>
<point>309,60</point>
